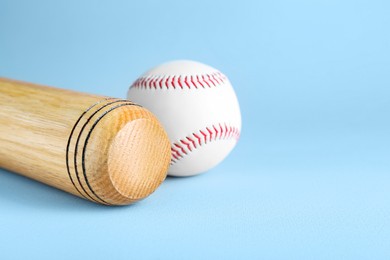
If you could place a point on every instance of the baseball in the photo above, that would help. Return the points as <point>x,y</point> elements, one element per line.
<point>198,108</point>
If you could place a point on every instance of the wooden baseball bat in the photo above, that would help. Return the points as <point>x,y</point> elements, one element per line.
<point>106,150</point>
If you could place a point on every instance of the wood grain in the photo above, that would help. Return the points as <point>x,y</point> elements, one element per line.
<point>107,150</point>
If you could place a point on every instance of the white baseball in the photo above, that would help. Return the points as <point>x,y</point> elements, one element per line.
<point>198,108</point>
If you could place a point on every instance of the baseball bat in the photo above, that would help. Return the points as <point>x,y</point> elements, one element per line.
<point>106,150</point>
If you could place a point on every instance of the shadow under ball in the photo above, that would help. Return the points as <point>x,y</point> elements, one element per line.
<point>106,150</point>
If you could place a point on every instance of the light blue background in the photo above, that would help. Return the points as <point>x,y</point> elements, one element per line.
<point>310,177</point>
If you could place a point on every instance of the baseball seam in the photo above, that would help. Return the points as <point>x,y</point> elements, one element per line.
<point>215,132</point>
<point>197,81</point>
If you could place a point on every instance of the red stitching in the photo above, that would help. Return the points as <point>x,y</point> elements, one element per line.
<point>204,135</point>
<point>192,81</point>
<point>172,82</point>
<point>216,132</point>
<point>211,80</point>
<point>221,76</point>
<point>174,150</point>
<point>150,82</point>
<point>179,150</point>
<point>185,81</point>
<point>211,133</point>
<point>226,130</point>
<point>136,82</point>
<point>205,81</point>
<point>200,143</point>
<point>146,82</point>
<point>142,82</point>
<point>166,82</point>
<point>179,81</point>
<point>197,78</point>
<point>175,156</point>
<point>214,77</point>
<point>154,82</point>
<point>192,141</point>
<point>187,144</point>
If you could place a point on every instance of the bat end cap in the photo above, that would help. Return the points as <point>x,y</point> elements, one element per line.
<point>139,158</point>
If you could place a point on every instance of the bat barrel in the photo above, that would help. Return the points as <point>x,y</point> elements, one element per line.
<point>107,150</point>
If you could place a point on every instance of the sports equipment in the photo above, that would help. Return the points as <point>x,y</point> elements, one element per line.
<point>198,108</point>
<point>107,150</point>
